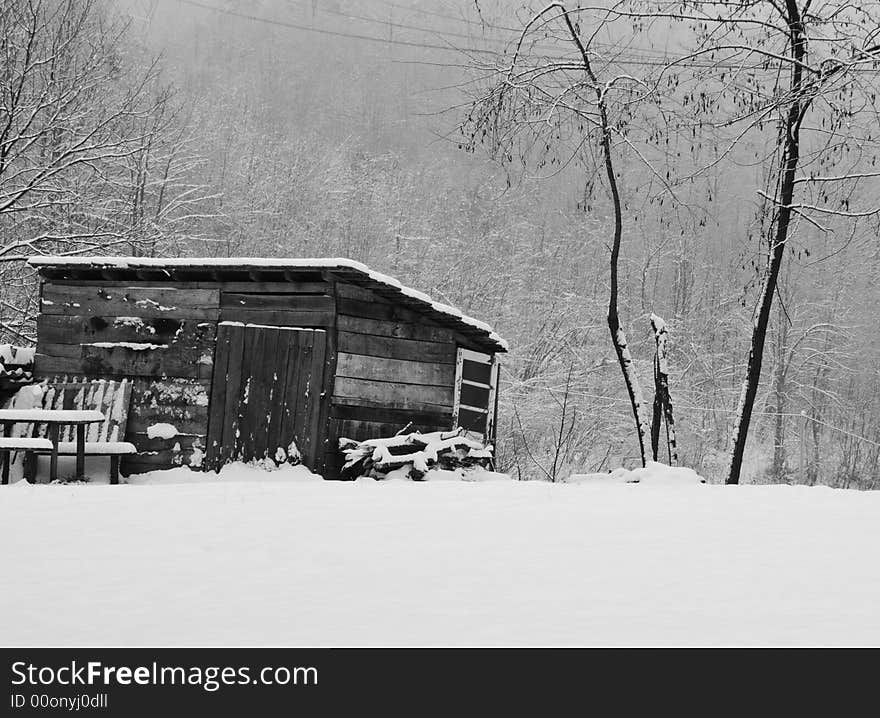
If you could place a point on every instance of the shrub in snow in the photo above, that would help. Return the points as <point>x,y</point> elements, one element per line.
<point>413,455</point>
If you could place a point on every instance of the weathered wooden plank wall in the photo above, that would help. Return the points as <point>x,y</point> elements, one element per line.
<point>384,365</point>
<point>393,367</point>
<point>162,337</point>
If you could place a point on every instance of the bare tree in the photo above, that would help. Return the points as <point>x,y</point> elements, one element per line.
<point>95,156</point>
<point>823,58</point>
<point>74,111</point>
<point>746,83</point>
<point>533,103</point>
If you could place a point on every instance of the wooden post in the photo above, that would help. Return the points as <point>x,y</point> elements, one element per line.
<point>662,400</point>
<point>80,452</point>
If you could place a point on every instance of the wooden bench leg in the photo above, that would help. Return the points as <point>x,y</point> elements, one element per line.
<point>80,452</point>
<point>30,467</point>
<point>7,455</point>
<point>53,461</point>
<point>114,469</point>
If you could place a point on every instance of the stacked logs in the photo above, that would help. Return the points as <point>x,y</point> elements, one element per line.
<point>413,455</point>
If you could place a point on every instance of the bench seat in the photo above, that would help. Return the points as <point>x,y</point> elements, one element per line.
<point>24,443</point>
<point>93,448</point>
<point>84,402</point>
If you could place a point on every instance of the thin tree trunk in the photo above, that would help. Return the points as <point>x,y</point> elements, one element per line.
<point>618,337</point>
<point>788,167</point>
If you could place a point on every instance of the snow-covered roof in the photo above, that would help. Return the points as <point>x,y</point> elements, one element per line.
<point>187,268</point>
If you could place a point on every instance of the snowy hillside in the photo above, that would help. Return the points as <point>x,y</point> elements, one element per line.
<point>286,559</point>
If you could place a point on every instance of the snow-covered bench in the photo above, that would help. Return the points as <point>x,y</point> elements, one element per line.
<point>111,398</point>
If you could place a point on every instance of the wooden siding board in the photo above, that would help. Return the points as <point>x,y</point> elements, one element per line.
<point>155,460</point>
<point>187,420</point>
<point>301,396</point>
<point>347,290</point>
<point>298,286</point>
<point>326,438</point>
<point>179,443</point>
<point>358,366</point>
<point>263,397</point>
<point>71,351</point>
<point>364,430</point>
<point>281,318</point>
<point>394,394</point>
<point>277,391</point>
<point>79,329</point>
<point>397,348</point>
<point>386,328</point>
<point>316,394</point>
<point>219,384</point>
<point>295,345</point>
<point>94,346</point>
<point>230,419</point>
<point>439,419</point>
<point>394,312</point>
<point>182,403</point>
<point>174,392</point>
<point>45,365</point>
<point>253,424</point>
<point>276,302</point>
<point>141,301</point>
<point>124,361</point>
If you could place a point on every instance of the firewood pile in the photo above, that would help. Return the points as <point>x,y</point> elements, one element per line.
<point>16,367</point>
<point>413,455</point>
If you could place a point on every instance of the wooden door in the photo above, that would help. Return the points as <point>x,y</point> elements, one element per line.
<point>265,394</point>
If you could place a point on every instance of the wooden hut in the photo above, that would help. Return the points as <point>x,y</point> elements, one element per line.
<point>253,359</point>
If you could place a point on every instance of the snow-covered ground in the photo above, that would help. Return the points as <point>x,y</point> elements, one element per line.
<point>283,558</point>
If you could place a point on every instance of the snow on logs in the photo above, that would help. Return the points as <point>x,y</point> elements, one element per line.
<point>412,454</point>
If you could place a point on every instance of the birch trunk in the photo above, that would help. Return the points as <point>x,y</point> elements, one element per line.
<point>618,336</point>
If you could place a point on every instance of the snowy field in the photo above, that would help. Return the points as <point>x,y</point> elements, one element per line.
<point>284,558</point>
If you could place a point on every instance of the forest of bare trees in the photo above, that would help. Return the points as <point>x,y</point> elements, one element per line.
<point>569,172</point>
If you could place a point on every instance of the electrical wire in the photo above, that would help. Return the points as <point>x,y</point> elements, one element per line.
<point>621,59</point>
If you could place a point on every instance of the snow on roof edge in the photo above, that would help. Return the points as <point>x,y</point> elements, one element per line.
<point>271,262</point>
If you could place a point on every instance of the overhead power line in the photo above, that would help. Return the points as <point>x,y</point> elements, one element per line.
<point>621,58</point>
<point>648,54</point>
<point>399,25</point>
<point>446,16</point>
<point>334,33</point>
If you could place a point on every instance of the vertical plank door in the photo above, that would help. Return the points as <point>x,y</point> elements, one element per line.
<point>265,394</point>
